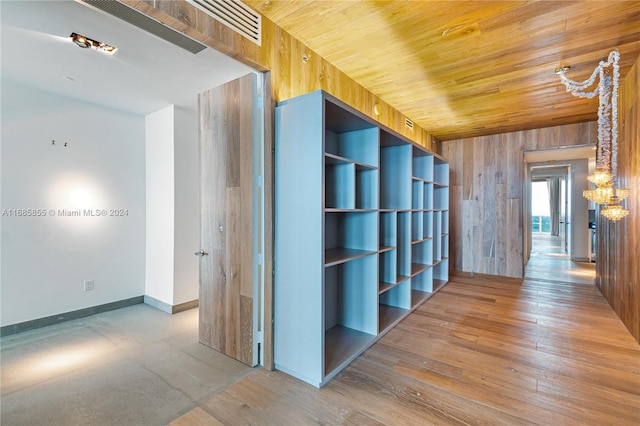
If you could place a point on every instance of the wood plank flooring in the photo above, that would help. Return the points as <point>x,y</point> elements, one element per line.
<point>549,260</point>
<point>484,350</point>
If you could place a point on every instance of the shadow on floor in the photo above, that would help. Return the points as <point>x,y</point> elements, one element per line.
<point>135,365</point>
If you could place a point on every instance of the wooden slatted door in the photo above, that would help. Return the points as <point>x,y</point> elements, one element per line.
<point>228,226</point>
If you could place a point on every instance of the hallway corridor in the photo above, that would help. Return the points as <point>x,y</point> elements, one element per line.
<point>548,261</point>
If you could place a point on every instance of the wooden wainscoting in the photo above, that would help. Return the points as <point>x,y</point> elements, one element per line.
<point>483,350</point>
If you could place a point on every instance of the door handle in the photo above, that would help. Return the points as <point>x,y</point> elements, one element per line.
<point>201,253</point>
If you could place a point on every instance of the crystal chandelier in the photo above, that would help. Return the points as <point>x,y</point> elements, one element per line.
<point>614,211</point>
<point>604,177</point>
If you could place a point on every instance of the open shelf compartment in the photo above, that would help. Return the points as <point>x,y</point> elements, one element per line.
<point>350,309</point>
<point>441,172</point>
<point>421,287</point>
<point>394,305</point>
<point>395,177</point>
<point>348,235</point>
<point>422,165</point>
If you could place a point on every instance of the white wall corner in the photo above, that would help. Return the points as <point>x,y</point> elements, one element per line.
<point>186,207</point>
<point>160,190</point>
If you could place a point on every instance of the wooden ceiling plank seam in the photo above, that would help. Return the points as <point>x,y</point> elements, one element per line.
<point>493,65</point>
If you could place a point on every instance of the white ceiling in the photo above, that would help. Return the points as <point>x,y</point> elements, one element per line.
<point>145,74</point>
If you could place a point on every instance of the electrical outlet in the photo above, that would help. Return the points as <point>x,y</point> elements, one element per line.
<point>88,285</point>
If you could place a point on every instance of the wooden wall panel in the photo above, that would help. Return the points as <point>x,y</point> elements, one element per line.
<point>618,264</point>
<point>487,175</point>
<point>227,230</point>
<point>283,55</point>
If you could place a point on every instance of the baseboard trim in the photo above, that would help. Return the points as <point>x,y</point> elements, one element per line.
<point>185,306</point>
<point>158,304</point>
<point>68,316</point>
<point>170,309</point>
<point>581,259</point>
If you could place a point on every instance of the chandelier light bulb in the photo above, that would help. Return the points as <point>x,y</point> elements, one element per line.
<point>614,212</point>
<point>601,195</point>
<point>600,177</point>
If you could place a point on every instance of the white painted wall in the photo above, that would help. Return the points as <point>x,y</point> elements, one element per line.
<point>45,260</point>
<point>186,207</point>
<point>581,234</point>
<point>160,201</point>
<point>172,270</point>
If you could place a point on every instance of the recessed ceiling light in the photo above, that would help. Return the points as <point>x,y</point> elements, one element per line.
<point>85,43</point>
<point>80,40</point>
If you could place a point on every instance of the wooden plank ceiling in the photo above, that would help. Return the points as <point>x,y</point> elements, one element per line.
<point>467,68</point>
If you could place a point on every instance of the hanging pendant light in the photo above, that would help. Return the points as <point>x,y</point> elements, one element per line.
<point>600,176</point>
<point>605,176</point>
<point>614,211</point>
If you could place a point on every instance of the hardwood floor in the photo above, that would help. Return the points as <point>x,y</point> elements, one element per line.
<point>484,350</point>
<point>549,261</point>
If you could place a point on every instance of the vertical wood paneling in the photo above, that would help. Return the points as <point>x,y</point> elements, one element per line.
<point>269,138</point>
<point>617,267</point>
<point>227,211</point>
<point>489,237</point>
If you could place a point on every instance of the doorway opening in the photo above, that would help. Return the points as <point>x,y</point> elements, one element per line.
<point>557,234</point>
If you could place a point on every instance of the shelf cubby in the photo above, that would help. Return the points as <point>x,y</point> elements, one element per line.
<point>428,224</point>
<point>428,196</point>
<point>423,281</point>
<point>350,136</point>
<point>422,252</point>
<point>388,234</point>
<point>404,243</point>
<point>395,171</point>
<point>417,268</point>
<point>351,291</point>
<point>417,199</point>
<point>444,246</point>
<point>441,271</point>
<point>422,165</point>
<point>397,298</point>
<point>417,226</point>
<point>421,287</point>
<point>366,187</point>
<point>351,298</point>
<point>388,267</point>
<point>440,198</point>
<point>389,316</point>
<point>384,286</point>
<point>348,235</point>
<point>343,345</point>
<point>441,172</point>
<point>445,222</point>
<point>339,183</point>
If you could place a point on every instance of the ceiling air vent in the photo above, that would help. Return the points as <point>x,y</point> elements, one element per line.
<point>235,15</point>
<point>144,22</point>
<point>408,123</point>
